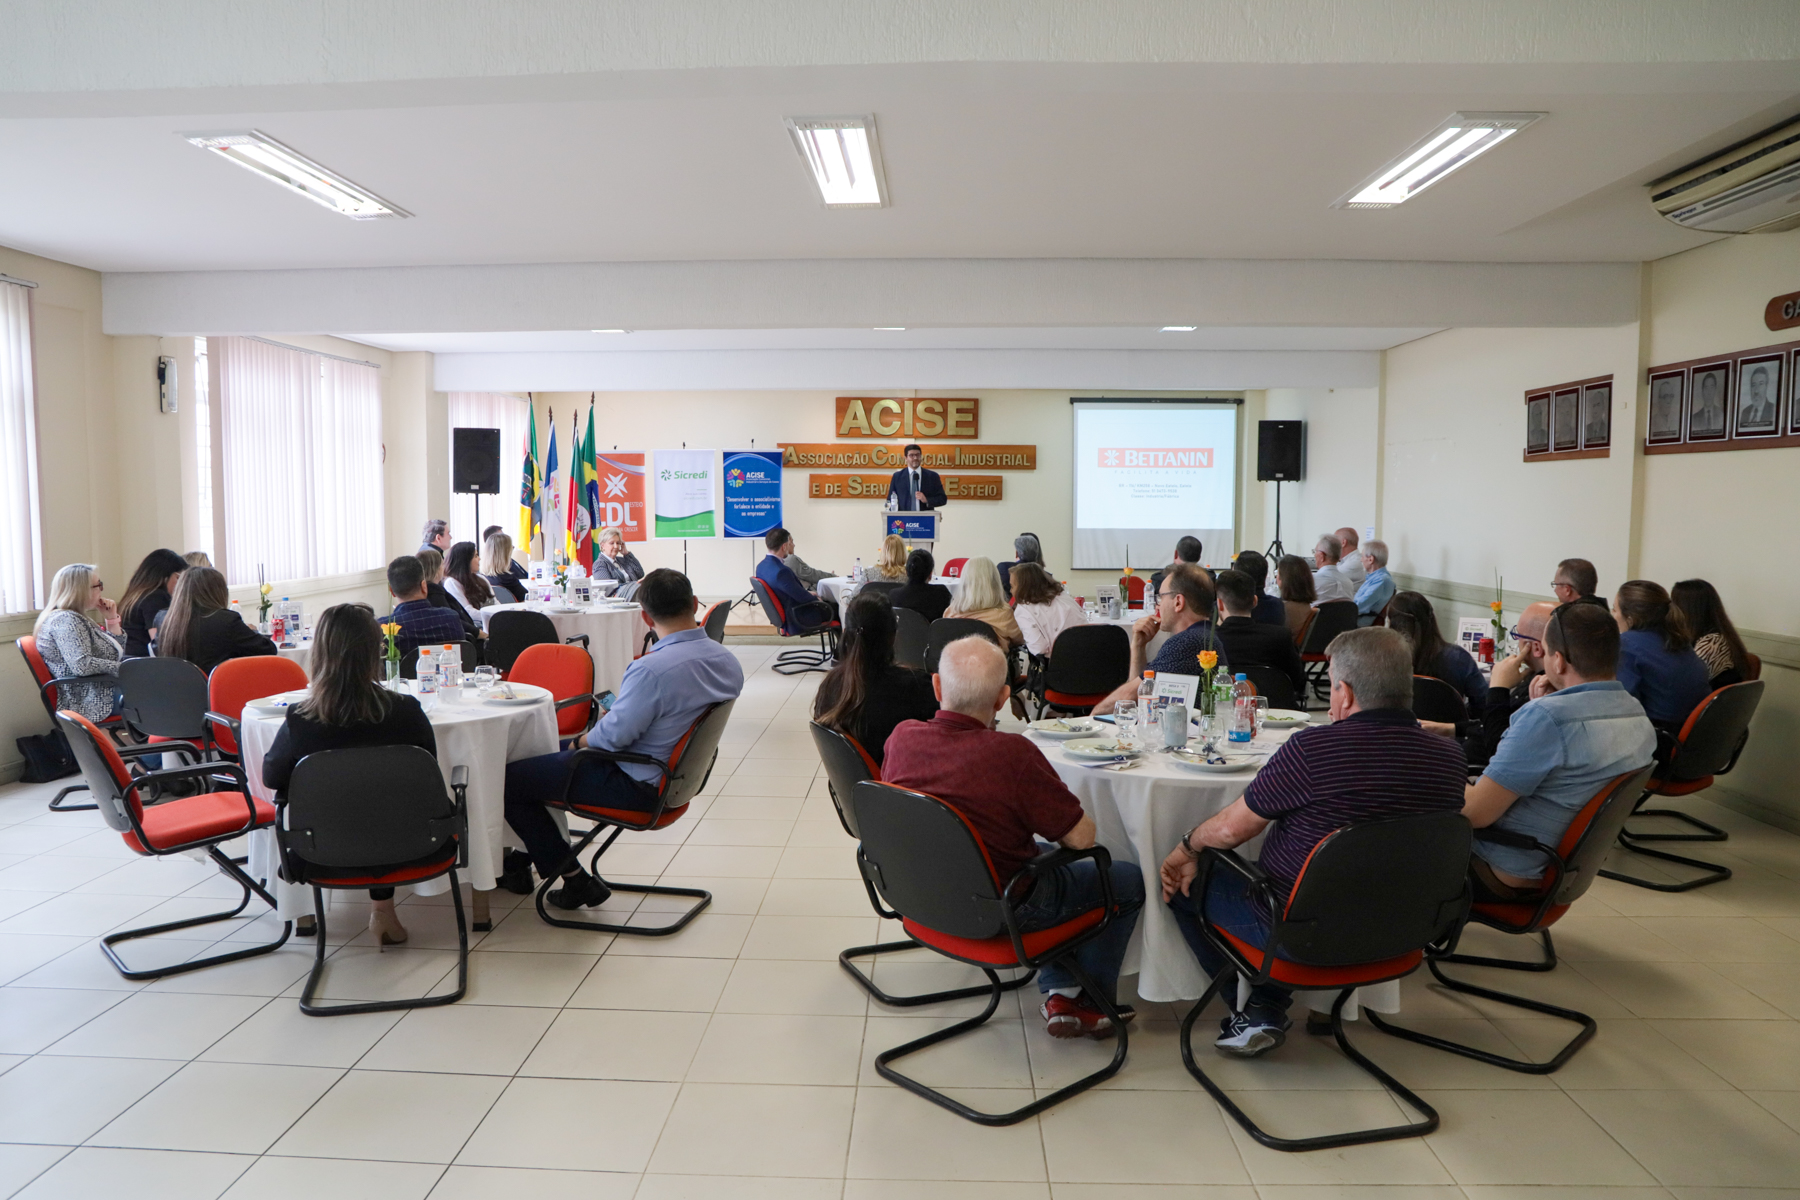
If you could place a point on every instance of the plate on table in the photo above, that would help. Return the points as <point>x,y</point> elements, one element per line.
<point>274,706</point>
<point>1193,761</point>
<point>1063,728</point>
<point>522,694</point>
<point>1282,718</point>
<point>1095,749</point>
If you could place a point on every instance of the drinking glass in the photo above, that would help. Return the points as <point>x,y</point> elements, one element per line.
<point>1258,716</point>
<point>485,677</point>
<point>1125,721</point>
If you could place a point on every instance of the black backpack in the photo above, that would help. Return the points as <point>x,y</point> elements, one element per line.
<point>47,756</point>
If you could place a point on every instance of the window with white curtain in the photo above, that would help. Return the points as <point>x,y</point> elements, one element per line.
<point>300,450</point>
<point>21,546</point>
<point>489,410</point>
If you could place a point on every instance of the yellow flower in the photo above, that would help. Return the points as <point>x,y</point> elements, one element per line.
<point>1209,659</point>
<point>267,588</point>
<point>1496,606</point>
<point>1128,570</point>
<point>392,629</point>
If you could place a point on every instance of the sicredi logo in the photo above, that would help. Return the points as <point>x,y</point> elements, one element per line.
<point>1114,456</point>
<point>683,474</point>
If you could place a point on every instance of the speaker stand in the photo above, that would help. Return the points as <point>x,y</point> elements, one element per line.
<point>1274,552</point>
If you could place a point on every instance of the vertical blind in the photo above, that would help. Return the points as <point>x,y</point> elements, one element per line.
<point>301,452</point>
<point>489,410</point>
<point>21,547</point>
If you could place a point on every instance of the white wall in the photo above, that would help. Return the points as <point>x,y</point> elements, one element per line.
<point>1342,441</point>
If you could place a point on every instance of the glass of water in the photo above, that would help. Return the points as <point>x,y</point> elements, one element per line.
<point>1125,721</point>
<point>485,677</point>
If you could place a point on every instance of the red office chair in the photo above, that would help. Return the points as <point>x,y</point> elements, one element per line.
<point>48,695</point>
<point>1131,590</point>
<point>567,673</point>
<point>810,619</point>
<point>237,681</point>
<point>954,568</point>
<point>686,772</point>
<point>172,827</point>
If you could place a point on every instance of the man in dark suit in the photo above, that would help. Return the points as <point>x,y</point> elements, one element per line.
<point>1187,550</point>
<point>786,586</point>
<point>1252,643</point>
<point>914,488</point>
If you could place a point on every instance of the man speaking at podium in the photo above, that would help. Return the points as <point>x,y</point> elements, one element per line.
<point>914,488</point>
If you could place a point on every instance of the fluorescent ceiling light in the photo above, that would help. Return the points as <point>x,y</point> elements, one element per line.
<point>844,156</point>
<point>256,151</point>
<point>1179,328</point>
<point>890,329</point>
<point>609,331</point>
<point>1456,143</point>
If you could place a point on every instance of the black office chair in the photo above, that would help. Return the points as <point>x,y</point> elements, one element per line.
<point>511,631</point>
<point>882,585</point>
<point>1272,685</point>
<point>471,657</point>
<point>812,619</point>
<point>714,621</point>
<point>1329,619</point>
<point>164,703</point>
<point>374,817</point>
<point>945,630</point>
<point>911,633</point>
<point>1435,700</point>
<point>1086,663</point>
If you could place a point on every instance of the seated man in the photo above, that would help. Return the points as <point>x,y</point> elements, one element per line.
<point>1576,582</point>
<point>662,695</point>
<point>774,571</point>
<point>1187,550</point>
<point>1269,609</point>
<point>1329,581</point>
<point>1350,560</point>
<point>1250,643</point>
<point>1558,751</point>
<point>436,536</point>
<point>1517,679</point>
<point>1009,793</point>
<point>1184,603</point>
<point>1374,761</point>
<point>1377,585</point>
<point>807,574</point>
<point>421,622</point>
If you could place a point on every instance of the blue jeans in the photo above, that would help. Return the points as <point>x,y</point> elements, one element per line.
<point>531,781</point>
<point>1231,909</point>
<point>1066,893</point>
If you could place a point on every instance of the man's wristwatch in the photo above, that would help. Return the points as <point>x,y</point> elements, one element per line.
<point>1188,846</point>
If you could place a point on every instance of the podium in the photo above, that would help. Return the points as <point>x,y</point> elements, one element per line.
<point>914,527</point>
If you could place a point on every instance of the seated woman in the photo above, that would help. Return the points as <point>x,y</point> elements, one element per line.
<point>1026,548</point>
<point>73,645</point>
<point>497,568</point>
<point>1042,607</point>
<point>197,558</point>
<point>1412,616</point>
<point>981,600</point>
<point>348,709</point>
<point>1657,663</point>
<point>617,563</point>
<point>1716,639</point>
<point>465,585</point>
<point>892,563</point>
<point>865,694</point>
<point>203,628</point>
<point>438,597</point>
<point>918,593</point>
<point>1293,575</point>
<point>146,598</point>
<point>514,567</point>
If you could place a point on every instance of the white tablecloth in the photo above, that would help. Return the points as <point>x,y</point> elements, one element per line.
<point>1125,622</point>
<point>1140,814</point>
<point>841,590</point>
<point>614,634</point>
<point>301,654</point>
<point>470,733</point>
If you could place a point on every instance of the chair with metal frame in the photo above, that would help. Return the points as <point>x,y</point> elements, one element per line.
<point>683,776</point>
<point>1273,685</point>
<point>911,632</point>
<point>714,621</point>
<point>1371,901</point>
<point>1086,663</point>
<point>1434,699</point>
<point>376,816</point>
<point>235,682</point>
<point>471,657</point>
<point>178,826</point>
<point>567,673</point>
<point>513,629</point>
<point>48,695</point>
<point>1329,619</point>
<point>164,702</point>
<point>921,858</point>
<point>810,619</point>
<point>846,765</point>
<point>945,630</point>
<point>954,568</point>
<point>1570,870</point>
<point>1708,745</point>
<point>1131,591</point>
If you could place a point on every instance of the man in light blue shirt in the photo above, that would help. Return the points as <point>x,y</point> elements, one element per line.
<point>1558,752</point>
<point>662,695</point>
<point>1377,587</point>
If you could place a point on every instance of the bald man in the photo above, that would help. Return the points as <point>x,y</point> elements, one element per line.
<point>1350,563</point>
<point>1517,679</point>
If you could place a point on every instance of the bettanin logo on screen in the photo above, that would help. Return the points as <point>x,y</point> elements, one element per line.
<point>1113,456</point>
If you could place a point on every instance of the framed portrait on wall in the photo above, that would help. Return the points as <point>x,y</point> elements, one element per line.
<point>1710,392</point>
<point>1565,423</point>
<point>1537,424</point>
<point>1757,412</point>
<point>1668,392</point>
<point>1793,408</point>
<point>1596,416</point>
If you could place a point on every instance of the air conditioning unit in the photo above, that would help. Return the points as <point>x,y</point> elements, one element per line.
<point>1754,187</point>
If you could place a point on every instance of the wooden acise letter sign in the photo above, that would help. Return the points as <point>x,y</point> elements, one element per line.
<point>907,417</point>
<point>875,487</point>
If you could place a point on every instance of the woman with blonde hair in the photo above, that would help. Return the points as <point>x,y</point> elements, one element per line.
<point>497,568</point>
<point>892,564</point>
<point>202,627</point>
<point>982,600</point>
<point>73,645</point>
<point>618,564</point>
<point>197,558</point>
<point>432,559</point>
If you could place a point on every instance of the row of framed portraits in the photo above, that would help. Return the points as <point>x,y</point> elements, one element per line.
<point>1570,420</point>
<point>1742,401</point>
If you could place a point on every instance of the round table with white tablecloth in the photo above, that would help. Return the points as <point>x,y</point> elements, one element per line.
<point>1139,815</point>
<point>300,653</point>
<point>1126,620</point>
<point>840,589</point>
<point>614,629</point>
<point>470,733</point>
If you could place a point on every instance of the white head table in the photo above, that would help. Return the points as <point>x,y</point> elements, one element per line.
<point>841,589</point>
<point>614,631</point>
<point>1140,814</point>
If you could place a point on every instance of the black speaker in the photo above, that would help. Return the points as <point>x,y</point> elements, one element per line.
<point>1279,446</point>
<point>476,455</point>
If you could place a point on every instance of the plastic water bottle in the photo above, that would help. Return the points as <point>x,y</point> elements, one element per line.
<point>1149,722</point>
<point>426,685</point>
<point>856,573</point>
<point>450,672</point>
<point>288,635</point>
<point>1243,710</point>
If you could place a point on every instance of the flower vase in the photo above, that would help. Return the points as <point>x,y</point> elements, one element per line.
<point>1205,699</point>
<point>391,674</point>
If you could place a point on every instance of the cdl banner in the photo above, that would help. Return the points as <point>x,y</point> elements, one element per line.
<point>752,492</point>
<point>621,486</point>
<point>1114,456</point>
<point>684,493</point>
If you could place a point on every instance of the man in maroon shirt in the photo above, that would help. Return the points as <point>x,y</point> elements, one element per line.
<point>1008,792</point>
<point>1373,761</point>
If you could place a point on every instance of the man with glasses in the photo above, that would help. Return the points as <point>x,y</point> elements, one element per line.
<point>1576,581</point>
<point>1184,604</point>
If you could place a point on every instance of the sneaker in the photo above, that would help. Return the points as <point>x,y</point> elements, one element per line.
<point>515,873</point>
<point>1080,1017</point>
<point>1245,1035</point>
<point>580,891</point>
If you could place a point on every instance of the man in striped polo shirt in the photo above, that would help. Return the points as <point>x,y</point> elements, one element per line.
<point>1373,761</point>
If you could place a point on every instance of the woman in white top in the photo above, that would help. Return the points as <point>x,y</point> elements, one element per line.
<point>72,645</point>
<point>466,584</point>
<point>1042,607</point>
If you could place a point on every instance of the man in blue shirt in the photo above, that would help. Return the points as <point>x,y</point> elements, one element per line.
<point>421,623</point>
<point>1558,751</point>
<point>774,571</point>
<point>1377,587</point>
<point>663,694</point>
<point>1184,604</point>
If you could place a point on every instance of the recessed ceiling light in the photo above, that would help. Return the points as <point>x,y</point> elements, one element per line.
<point>1179,328</point>
<point>609,331</point>
<point>890,329</point>
<point>844,156</point>
<point>257,151</point>
<point>1456,143</point>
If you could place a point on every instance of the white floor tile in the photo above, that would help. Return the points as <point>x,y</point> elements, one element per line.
<point>94,1173</point>
<point>572,1124</point>
<point>660,983</point>
<point>33,1018</point>
<point>232,1108</point>
<point>68,1100</point>
<point>19,1165</point>
<point>280,1033</point>
<point>394,1116</point>
<point>485,1183</point>
<point>739,1129</point>
<point>608,1043</point>
<point>467,1039</point>
<point>274,1178</point>
<point>160,1025</point>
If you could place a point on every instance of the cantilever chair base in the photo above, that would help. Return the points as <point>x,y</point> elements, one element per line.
<point>57,805</point>
<point>1714,873</point>
<point>868,984</point>
<point>1547,963</point>
<point>229,866</point>
<point>642,889</point>
<point>1524,1067</point>
<point>1708,831</point>
<point>316,976</point>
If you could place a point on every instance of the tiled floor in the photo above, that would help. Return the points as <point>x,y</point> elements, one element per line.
<point>735,1060</point>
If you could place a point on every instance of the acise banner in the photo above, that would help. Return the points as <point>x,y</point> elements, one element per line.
<point>684,493</point>
<point>752,492</point>
<point>621,487</point>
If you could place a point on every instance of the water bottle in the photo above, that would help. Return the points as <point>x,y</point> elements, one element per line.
<point>856,573</point>
<point>426,683</point>
<point>288,635</point>
<point>450,672</point>
<point>1150,731</point>
<point>1243,710</point>
<point>893,502</point>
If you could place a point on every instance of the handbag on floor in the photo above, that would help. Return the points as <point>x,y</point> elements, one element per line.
<point>47,756</point>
